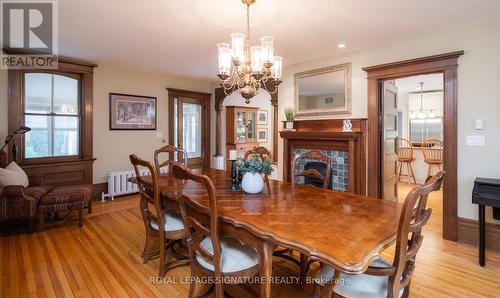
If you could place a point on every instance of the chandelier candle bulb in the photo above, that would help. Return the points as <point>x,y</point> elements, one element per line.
<point>224,58</point>
<point>257,57</point>
<point>238,46</point>
<point>268,48</point>
<point>276,70</point>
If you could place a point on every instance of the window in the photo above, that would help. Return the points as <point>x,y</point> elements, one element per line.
<point>52,111</point>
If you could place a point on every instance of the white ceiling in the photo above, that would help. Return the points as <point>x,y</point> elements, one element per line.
<point>179,36</point>
<point>412,84</point>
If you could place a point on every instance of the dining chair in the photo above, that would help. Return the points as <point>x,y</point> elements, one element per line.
<point>317,172</point>
<point>383,279</point>
<point>176,156</point>
<point>433,154</point>
<point>405,157</point>
<point>212,256</point>
<point>317,169</point>
<point>263,153</point>
<point>172,151</point>
<point>164,227</point>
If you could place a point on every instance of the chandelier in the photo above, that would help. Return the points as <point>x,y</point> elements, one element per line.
<point>421,114</point>
<point>246,68</point>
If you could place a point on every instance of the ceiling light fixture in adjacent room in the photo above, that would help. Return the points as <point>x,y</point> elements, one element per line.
<point>341,45</point>
<point>247,68</point>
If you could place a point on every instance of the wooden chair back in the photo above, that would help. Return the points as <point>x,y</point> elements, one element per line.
<point>313,155</point>
<point>414,216</point>
<point>149,194</point>
<point>196,228</point>
<point>433,151</point>
<point>404,150</point>
<point>171,151</point>
<point>170,162</point>
<point>263,152</point>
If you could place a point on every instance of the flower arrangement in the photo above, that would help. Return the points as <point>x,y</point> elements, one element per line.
<point>254,164</point>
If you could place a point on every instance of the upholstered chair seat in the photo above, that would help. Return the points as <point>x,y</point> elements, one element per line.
<point>234,256</point>
<point>362,285</point>
<point>171,222</point>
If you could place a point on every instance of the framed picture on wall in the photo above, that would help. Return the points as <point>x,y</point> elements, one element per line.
<point>132,112</point>
<point>262,135</point>
<point>262,117</point>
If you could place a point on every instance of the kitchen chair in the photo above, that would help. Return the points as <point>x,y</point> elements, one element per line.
<point>383,279</point>
<point>433,155</point>
<point>212,256</point>
<point>405,157</point>
<point>164,227</point>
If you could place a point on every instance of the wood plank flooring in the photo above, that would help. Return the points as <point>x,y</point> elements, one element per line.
<point>102,259</point>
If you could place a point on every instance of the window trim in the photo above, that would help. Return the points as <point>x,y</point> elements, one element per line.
<point>78,115</point>
<point>83,71</point>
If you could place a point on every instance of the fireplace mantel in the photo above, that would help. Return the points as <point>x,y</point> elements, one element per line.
<point>328,135</point>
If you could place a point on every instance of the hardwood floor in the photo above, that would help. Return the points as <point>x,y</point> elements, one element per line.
<point>102,259</point>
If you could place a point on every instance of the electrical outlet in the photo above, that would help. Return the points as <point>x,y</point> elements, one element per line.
<point>474,140</point>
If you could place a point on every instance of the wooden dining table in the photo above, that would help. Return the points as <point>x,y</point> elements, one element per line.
<point>343,230</point>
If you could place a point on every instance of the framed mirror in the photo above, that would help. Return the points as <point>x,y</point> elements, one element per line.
<point>324,91</point>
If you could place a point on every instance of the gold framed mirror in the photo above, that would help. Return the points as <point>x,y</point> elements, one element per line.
<point>324,91</point>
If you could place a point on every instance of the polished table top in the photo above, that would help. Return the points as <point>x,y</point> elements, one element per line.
<point>345,230</point>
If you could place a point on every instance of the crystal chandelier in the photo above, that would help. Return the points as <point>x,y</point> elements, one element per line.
<point>246,67</point>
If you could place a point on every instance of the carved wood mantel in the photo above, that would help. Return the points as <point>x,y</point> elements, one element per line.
<point>328,135</point>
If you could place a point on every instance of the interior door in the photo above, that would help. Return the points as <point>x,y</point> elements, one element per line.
<point>188,130</point>
<point>389,140</point>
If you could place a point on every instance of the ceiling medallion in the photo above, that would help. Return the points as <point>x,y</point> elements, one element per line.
<point>246,68</point>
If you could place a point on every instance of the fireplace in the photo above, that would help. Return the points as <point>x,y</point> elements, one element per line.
<point>346,149</point>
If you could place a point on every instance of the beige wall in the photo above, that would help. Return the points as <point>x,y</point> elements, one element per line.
<point>112,148</point>
<point>478,94</point>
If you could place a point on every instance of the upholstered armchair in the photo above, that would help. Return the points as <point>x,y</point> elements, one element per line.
<point>18,202</point>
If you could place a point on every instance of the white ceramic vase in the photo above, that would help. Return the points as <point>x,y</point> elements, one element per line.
<point>252,183</point>
<point>289,125</point>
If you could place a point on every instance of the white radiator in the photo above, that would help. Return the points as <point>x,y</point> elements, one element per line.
<point>119,185</point>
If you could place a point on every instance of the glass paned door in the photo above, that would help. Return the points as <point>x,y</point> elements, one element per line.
<point>188,130</point>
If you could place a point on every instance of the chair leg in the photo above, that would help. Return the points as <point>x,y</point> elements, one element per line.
<point>41,220</point>
<point>304,269</point>
<point>326,291</point>
<point>400,166</point>
<point>80,217</point>
<point>89,206</point>
<point>412,173</point>
<point>192,289</point>
<point>163,254</point>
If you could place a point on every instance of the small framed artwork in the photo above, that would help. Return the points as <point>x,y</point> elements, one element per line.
<point>262,135</point>
<point>132,112</point>
<point>262,117</point>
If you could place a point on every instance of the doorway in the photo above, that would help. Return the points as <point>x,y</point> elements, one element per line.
<point>189,125</point>
<point>378,178</point>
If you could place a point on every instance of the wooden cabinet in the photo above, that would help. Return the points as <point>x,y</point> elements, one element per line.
<point>241,129</point>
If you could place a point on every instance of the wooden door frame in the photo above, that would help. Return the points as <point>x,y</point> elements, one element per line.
<point>446,64</point>
<point>206,97</point>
